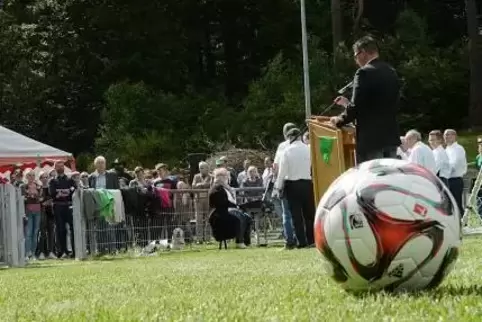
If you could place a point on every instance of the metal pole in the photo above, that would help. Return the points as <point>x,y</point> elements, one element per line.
<point>306,67</point>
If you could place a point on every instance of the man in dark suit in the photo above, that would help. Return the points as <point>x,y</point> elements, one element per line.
<point>102,179</point>
<point>374,104</point>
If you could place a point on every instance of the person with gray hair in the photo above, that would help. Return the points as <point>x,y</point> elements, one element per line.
<point>294,181</point>
<point>202,180</point>
<point>420,153</point>
<point>281,201</point>
<point>458,166</point>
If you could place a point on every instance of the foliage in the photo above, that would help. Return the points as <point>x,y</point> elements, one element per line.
<point>150,81</point>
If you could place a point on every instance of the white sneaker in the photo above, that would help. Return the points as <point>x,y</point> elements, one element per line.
<point>64,256</point>
<point>41,256</point>
<point>241,246</point>
<point>27,259</point>
<point>52,256</point>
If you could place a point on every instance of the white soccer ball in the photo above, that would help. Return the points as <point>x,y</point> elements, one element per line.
<point>388,224</point>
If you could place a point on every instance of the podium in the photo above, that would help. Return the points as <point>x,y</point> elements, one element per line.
<point>332,152</point>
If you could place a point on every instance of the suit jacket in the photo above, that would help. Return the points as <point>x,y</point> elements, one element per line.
<point>111,180</point>
<point>374,106</point>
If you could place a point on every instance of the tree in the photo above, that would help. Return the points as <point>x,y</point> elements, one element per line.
<point>475,55</point>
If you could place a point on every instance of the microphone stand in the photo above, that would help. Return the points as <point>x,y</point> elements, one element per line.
<point>341,91</point>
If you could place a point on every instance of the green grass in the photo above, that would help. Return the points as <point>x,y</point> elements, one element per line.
<point>234,285</point>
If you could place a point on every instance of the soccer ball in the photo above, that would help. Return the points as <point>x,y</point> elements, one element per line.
<point>388,224</point>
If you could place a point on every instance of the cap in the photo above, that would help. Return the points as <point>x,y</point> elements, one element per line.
<point>479,140</point>
<point>219,161</point>
<point>138,169</point>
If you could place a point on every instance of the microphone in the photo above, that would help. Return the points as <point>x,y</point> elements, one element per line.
<point>345,88</point>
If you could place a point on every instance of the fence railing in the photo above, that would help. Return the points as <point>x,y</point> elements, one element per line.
<point>140,222</point>
<point>143,221</point>
<point>12,241</point>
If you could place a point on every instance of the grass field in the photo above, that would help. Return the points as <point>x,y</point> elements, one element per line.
<point>234,285</point>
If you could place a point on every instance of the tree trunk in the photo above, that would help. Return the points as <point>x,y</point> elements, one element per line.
<point>359,14</point>
<point>475,56</point>
<point>336,25</point>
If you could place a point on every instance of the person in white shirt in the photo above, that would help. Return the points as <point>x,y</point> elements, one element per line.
<point>267,175</point>
<point>458,166</point>
<point>402,149</point>
<point>294,179</point>
<point>243,174</point>
<point>420,153</point>
<point>288,230</point>
<point>435,139</point>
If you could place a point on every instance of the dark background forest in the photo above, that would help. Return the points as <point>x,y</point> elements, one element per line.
<point>155,80</point>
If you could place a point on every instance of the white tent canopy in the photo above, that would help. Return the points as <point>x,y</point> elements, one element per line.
<point>17,148</point>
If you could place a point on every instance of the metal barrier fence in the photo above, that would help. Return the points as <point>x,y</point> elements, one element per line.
<point>142,223</point>
<point>142,220</point>
<point>12,241</point>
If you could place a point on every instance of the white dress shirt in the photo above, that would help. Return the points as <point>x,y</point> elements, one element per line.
<point>295,164</point>
<point>457,160</point>
<point>401,154</point>
<point>421,154</point>
<point>279,151</point>
<point>442,162</point>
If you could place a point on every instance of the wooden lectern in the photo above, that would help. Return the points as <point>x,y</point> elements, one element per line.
<point>332,152</point>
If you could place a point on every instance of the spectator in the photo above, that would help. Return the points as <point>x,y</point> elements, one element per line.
<point>165,219</point>
<point>76,177</point>
<point>139,181</point>
<point>33,199</point>
<point>458,166</point>
<point>202,180</point>
<point>294,179</point>
<point>222,163</point>
<point>84,179</point>
<point>46,245</point>
<point>102,179</point>
<point>243,174</point>
<point>17,178</point>
<point>61,189</point>
<point>225,210</point>
<point>252,180</point>
<point>435,139</point>
<point>165,179</point>
<point>420,153</point>
<point>52,174</point>
<point>119,169</point>
<point>268,171</point>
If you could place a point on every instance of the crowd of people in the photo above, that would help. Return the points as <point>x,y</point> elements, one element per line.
<point>48,220</point>
<point>443,156</point>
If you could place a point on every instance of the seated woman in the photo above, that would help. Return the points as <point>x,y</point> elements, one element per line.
<point>226,219</point>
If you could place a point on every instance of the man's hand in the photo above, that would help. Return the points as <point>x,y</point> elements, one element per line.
<point>342,101</point>
<point>335,120</point>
